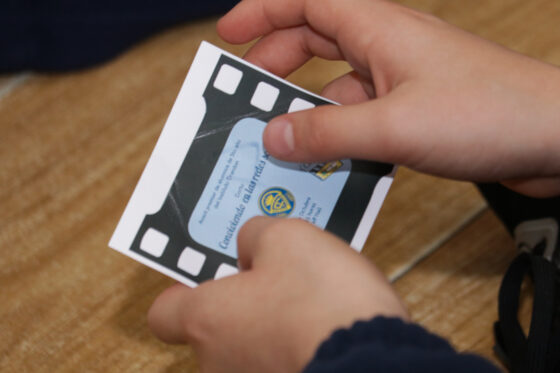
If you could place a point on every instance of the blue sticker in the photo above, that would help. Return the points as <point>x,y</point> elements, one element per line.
<point>247,182</point>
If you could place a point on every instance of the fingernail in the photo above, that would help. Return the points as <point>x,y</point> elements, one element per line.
<point>280,137</point>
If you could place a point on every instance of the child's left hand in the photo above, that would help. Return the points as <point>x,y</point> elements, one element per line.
<point>297,285</point>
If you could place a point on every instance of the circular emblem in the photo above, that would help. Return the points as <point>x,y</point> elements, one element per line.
<point>277,202</point>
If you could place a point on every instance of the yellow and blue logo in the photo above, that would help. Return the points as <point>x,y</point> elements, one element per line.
<point>277,202</point>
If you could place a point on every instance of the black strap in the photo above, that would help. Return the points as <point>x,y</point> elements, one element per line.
<point>540,351</point>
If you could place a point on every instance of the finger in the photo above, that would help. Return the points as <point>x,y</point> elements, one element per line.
<point>284,51</point>
<point>349,89</point>
<point>235,28</point>
<point>248,238</point>
<point>537,188</point>
<point>165,317</point>
<point>361,131</point>
<point>253,18</point>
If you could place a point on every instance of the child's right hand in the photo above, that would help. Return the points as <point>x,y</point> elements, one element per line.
<point>423,93</point>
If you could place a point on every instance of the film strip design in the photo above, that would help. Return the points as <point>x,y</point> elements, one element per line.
<point>235,90</point>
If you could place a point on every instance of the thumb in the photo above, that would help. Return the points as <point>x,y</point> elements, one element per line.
<point>249,239</point>
<point>166,315</point>
<point>360,131</point>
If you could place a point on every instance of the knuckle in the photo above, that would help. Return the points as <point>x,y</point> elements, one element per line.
<point>318,136</point>
<point>270,233</point>
<point>387,121</point>
<point>191,329</point>
<point>398,137</point>
<point>250,229</point>
<point>246,228</point>
<point>195,332</point>
<point>194,323</point>
<point>276,236</point>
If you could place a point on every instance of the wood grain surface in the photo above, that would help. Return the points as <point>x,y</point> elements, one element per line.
<point>72,147</point>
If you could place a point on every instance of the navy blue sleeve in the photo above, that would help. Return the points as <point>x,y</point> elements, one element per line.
<point>390,345</point>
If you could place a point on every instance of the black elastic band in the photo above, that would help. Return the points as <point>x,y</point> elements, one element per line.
<point>537,353</point>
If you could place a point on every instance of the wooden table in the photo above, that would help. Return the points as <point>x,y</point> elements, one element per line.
<point>72,147</point>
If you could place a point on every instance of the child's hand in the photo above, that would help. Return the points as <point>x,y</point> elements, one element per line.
<point>297,285</point>
<point>447,102</point>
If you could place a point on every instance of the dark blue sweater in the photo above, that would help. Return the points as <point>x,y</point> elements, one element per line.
<point>389,345</point>
<point>59,35</point>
